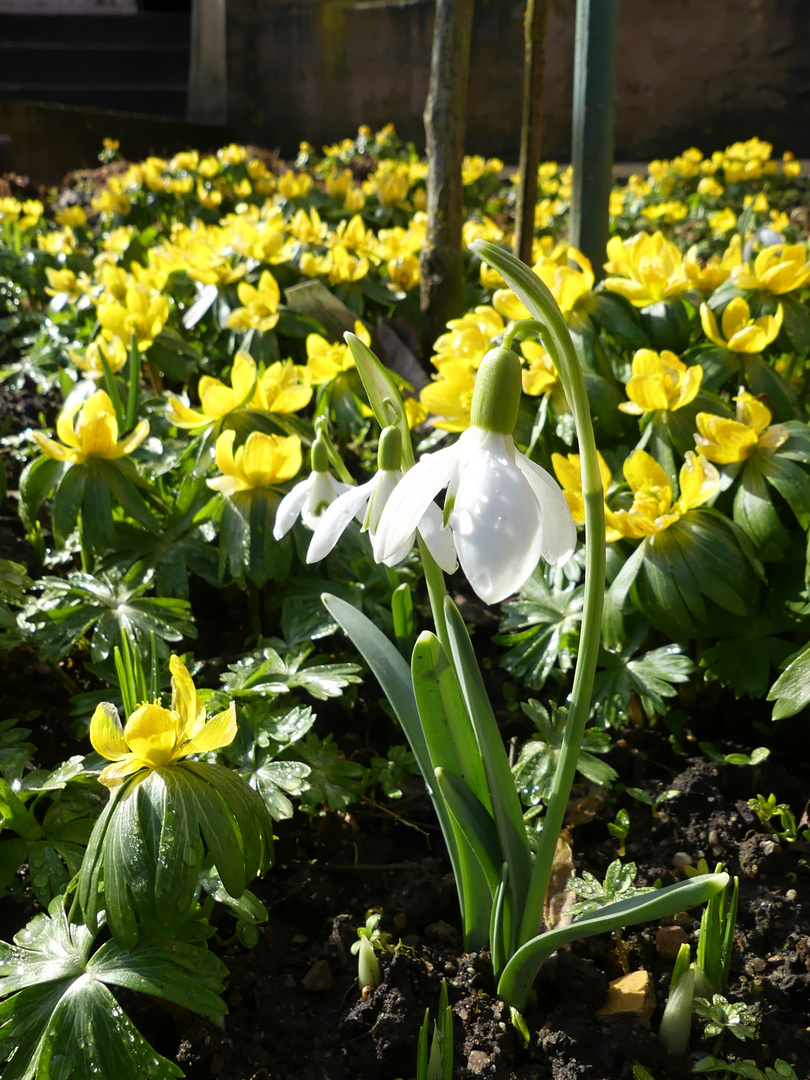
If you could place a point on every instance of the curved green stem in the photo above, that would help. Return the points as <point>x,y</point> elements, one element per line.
<point>540,302</point>
<point>437,590</point>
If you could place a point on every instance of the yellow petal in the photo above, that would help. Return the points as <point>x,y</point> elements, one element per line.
<point>179,414</point>
<point>643,473</point>
<point>106,733</point>
<point>97,434</point>
<point>699,482</point>
<point>64,424</point>
<point>648,392</point>
<point>56,450</point>
<point>219,731</point>
<point>722,440</point>
<point>710,327</point>
<point>736,316</point>
<point>507,304</point>
<point>132,441</point>
<point>752,412</point>
<point>185,701</point>
<point>224,453</point>
<point>151,733</point>
<point>243,376</point>
<point>112,776</point>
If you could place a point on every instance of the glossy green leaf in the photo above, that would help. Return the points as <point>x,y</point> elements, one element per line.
<point>522,968</point>
<point>791,691</point>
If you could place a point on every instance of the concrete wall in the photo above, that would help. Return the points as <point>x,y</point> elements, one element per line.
<point>702,72</point>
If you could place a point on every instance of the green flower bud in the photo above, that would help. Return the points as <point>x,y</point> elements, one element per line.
<point>319,454</point>
<point>498,387</point>
<point>389,451</point>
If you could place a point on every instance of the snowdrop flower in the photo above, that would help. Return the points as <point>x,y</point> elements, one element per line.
<point>366,502</point>
<point>504,511</point>
<point>309,499</point>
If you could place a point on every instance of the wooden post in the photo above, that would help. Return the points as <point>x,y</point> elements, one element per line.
<point>531,125</point>
<point>442,290</point>
<point>208,72</point>
<point>595,60</point>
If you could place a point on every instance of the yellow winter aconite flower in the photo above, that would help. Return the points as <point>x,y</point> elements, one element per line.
<point>449,396</point>
<point>283,388</point>
<point>569,472</point>
<point>660,381</point>
<point>94,434</point>
<point>779,269</point>
<point>722,222</point>
<point>260,305</point>
<point>647,268</point>
<point>710,275</point>
<point>468,338</point>
<point>143,312</point>
<point>294,185</point>
<point>65,281</point>
<point>724,441</point>
<point>653,509</point>
<point>154,737</point>
<point>260,462</point>
<point>89,359</point>
<point>540,376</point>
<point>216,399</point>
<point>325,362</point>
<point>71,215</point>
<point>738,331</point>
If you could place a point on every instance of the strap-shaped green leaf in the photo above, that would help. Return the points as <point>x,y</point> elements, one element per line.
<point>506,809</point>
<point>612,619</point>
<point>383,395</point>
<point>475,823</point>
<point>446,723</point>
<point>520,972</point>
<point>391,671</point>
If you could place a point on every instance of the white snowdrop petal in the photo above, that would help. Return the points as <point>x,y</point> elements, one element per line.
<point>291,507</point>
<point>387,480</point>
<point>335,519</point>
<point>496,524</point>
<point>439,541</point>
<point>411,498</point>
<point>323,492</point>
<point>559,533</point>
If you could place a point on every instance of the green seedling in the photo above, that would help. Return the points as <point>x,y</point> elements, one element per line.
<point>654,801</point>
<point>768,809</point>
<point>722,1015</point>
<point>619,828</point>
<point>708,975</point>
<point>437,1062</point>
<point>756,757</point>
<point>781,1070</point>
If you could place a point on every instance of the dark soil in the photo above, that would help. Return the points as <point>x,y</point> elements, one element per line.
<point>296,1011</point>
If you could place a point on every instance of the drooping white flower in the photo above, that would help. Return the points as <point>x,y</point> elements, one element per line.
<point>366,503</point>
<point>307,500</point>
<point>310,497</point>
<point>504,511</point>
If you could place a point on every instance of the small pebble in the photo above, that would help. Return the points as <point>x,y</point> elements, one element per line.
<point>790,895</point>
<point>668,941</point>
<point>755,964</point>
<point>714,838</point>
<point>680,859</point>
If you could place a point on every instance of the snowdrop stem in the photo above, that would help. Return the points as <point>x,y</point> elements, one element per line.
<point>434,579</point>
<point>334,456</point>
<point>519,328</point>
<point>552,328</point>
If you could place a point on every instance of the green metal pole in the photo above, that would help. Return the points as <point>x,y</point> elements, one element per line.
<point>595,61</point>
